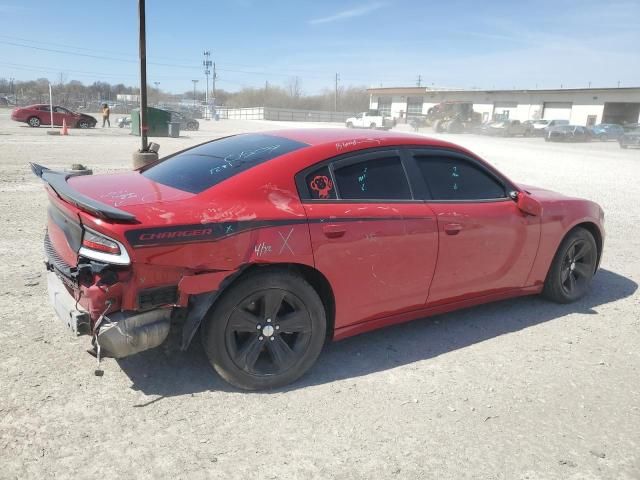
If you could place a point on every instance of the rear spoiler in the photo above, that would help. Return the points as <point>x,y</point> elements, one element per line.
<point>58,183</point>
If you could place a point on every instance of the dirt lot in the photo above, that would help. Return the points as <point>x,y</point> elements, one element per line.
<point>518,389</point>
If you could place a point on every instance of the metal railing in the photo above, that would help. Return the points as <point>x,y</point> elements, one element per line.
<point>282,114</point>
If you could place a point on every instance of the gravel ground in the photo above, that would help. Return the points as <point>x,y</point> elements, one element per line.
<point>513,390</point>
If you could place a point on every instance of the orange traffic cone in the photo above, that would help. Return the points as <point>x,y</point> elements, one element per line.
<point>65,130</point>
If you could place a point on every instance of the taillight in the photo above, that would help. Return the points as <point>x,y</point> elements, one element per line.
<point>99,243</point>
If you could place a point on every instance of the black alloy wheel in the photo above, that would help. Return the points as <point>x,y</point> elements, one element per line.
<point>573,267</point>
<point>266,330</point>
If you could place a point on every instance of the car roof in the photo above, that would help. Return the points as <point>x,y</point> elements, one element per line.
<point>326,136</point>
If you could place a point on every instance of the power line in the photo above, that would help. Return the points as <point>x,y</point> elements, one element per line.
<point>175,65</point>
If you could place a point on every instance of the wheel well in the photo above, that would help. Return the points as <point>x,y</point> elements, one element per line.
<point>593,229</point>
<point>315,278</point>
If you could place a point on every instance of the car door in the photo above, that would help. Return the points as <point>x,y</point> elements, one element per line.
<point>373,241</point>
<point>60,114</point>
<point>486,243</point>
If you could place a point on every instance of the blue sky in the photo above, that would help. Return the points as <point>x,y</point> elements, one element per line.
<point>499,44</point>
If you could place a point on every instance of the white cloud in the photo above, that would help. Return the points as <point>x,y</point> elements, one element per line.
<point>351,13</point>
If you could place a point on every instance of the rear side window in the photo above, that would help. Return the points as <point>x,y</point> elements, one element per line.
<point>320,184</point>
<point>204,166</point>
<point>450,178</point>
<point>377,179</point>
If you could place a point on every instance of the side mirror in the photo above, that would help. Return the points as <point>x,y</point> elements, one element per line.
<point>526,203</point>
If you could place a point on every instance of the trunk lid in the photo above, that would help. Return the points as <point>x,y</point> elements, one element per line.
<point>120,190</point>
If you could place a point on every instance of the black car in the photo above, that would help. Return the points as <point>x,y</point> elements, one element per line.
<point>568,133</point>
<point>630,139</point>
<point>186,122</point>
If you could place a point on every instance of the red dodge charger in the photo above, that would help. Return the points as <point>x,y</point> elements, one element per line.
<point>36,115</point>
<point>269,244</point>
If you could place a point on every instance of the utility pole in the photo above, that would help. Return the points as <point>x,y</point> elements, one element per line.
<point>206,63</point>
<point>194,92</point>
<point>266,92</point>
<point>419,83</point>
<point>335,106</point>
<point>13,91</point>
<point>145,155</point>
<point>215,75</point>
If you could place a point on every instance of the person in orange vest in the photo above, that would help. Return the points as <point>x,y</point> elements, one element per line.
<point>105,115</point>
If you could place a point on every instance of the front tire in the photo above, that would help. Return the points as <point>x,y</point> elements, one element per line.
<point>266,331</point>
<point>573,267</point>
<point>349,125</point>
<point>372,126</point>
<point>604,137</point>
<point>83,124</point>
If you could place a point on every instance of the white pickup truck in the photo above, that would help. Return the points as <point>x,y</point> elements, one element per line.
<point>370,120</point>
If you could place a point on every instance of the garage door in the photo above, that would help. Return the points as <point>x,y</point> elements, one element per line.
<point>384,106</point>
<point>557,111</point>
<point>504,110</point>
<point>621,113</point>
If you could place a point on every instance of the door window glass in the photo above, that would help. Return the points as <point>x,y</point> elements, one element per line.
<point>450,178</point>
<point>379,179</point>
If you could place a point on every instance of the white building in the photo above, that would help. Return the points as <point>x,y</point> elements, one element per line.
<point>581,106</point>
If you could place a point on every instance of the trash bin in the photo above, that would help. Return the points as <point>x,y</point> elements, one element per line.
<point>174,129</point>
<point>156,121</point>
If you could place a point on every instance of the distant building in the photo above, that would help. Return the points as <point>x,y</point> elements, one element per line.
<point>581,106</point>
<point>126,98</point>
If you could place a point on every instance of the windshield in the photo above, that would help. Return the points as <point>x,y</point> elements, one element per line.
<point>204,166</point>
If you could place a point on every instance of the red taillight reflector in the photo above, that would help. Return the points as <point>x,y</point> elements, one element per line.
<point>99,243</point>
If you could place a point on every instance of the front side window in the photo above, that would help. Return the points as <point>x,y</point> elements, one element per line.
<point>376,179</point>
<point>204,166</point>
<point>452,178</point>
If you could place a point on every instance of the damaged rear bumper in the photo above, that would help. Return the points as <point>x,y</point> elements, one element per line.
<point>118,334</point>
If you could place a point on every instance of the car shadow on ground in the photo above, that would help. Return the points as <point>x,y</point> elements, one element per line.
<point>169,373</point>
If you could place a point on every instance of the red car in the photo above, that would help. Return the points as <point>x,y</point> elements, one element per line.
<point>36,115</point>
<point>272,243</point>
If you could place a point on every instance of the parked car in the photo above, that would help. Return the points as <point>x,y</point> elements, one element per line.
<point>508,128</point>
<point>607,131</point>
<point>630,139</point>
<point>552,124</point>
<point>629,127</point>
<point>316,234</point>
<point>568,133</point>
<point>186,122</point>
<point>36,115</point>
<point>124,122</point>
<point>538,126</point>
<point>371,120</point>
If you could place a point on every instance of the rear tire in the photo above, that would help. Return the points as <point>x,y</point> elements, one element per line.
<point>604,137</point>
<point>372,126</point>
<point>33,122</point>
<point>349,125</point>
<point>572,268</point>
<point>265,331</point>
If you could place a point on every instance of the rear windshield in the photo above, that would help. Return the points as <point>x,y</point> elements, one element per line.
<point>204,166</point>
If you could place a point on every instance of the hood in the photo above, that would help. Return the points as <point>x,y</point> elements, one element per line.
<point>125,189</point>
<point>542,194</point>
